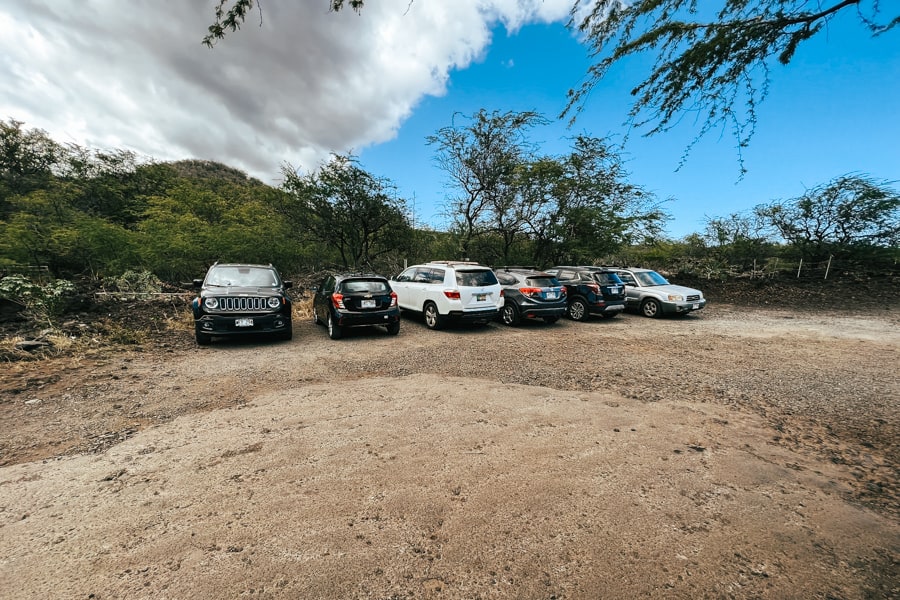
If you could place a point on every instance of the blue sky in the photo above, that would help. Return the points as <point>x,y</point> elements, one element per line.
<point>298,83</point>
<point>835,109</point>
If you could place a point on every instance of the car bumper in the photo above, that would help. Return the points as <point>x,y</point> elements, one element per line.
<point>473,316</point>
<point>607,308</point>
<point>358,319</point>
<point>680,308</point>
<point>231,324</point>
<point>531,311</point>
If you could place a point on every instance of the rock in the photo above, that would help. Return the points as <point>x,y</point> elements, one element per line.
<point>33,345</point>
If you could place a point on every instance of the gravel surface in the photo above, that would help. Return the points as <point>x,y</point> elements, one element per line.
<point>744,453</point>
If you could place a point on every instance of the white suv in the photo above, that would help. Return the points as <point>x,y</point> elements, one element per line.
<point>446,291</point>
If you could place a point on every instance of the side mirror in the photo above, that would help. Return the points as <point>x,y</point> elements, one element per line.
<point>288,284</point>
<point>198,283</point>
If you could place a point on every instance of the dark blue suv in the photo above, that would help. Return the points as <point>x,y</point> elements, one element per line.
<point>591,291</point>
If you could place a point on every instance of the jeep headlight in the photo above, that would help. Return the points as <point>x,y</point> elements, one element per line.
<point>274,302</point>
<point>211,303</point>
<point>676,298</point>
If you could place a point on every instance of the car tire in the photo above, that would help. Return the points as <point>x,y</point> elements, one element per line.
<point>393,328</point>
<point>203,339</point>
<point>509,315</point>
<point>578,310</point>
<point>550,320</point>
<point>651,308</point>
<point>334,330</point>
<point>433,318</point>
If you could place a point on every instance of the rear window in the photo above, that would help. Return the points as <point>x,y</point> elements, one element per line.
<point>607,279</point>
<point>475,278</point>
<point>372,286</point>
<point>542,281</point>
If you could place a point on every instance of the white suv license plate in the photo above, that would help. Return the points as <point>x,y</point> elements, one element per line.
<point>696,306</point>
<point>480,297</point>
<point>243,322</point>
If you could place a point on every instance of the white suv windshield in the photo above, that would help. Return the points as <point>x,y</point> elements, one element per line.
<point>478,278</point>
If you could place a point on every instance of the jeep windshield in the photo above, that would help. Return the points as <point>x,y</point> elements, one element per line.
<point>241,277</point>
<point>650,278</point>
<point>478,278</point>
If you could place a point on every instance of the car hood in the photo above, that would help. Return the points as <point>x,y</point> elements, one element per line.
<point>241,291</point>
<point>676,289</point>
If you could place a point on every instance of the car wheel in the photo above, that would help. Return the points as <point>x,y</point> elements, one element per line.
<point>650,308</point>
<point>393,328</point>
<point>509,314</point>
<point>578,310</point>
<point>550,320</point>
<point>334,330</point>
<point>433,318</point>
<point>203,339</point>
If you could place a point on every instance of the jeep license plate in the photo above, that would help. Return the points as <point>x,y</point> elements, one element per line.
<point>243,322</point>
<point>367,303</point>
<point>480,297</point>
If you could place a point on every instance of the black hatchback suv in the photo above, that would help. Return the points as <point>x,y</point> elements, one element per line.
<point>591,291</point>
<point>530,294</point>
<point>354,300</point>
<point>237,299</point>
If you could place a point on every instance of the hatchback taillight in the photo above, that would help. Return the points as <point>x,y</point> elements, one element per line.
<point>530,291</point>
<point>393,299</point>
<point>337,300</point>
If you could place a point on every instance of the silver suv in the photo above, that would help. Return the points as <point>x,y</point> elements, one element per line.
<point>651,294</point>
<point>448,291</point>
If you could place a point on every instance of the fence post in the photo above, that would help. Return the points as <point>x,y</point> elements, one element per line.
<point>753,273</point>
<point>828,268</point>
<point>798,268</point>
<point>775,268</point>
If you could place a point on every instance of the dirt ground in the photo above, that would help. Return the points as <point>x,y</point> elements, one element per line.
<point>734,453</point>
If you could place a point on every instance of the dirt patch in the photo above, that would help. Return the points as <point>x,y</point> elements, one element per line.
<point>738,452</point>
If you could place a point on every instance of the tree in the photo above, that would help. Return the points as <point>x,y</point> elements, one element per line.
<point>710,63</point>
<point>851,211</point>
<point>232,17</point>
<point>346,208</point>
<point>27,160</point>
<point>481,159</point>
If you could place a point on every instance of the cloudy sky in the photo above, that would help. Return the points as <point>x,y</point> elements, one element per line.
<point>297,83</point>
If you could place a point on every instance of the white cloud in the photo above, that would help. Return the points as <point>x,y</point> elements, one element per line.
<point>291,88</point>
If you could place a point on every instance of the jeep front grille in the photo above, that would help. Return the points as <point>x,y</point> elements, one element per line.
<point>243,304</point>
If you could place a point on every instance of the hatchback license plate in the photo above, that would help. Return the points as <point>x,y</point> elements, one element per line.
<point>243,322</point>
<point>367,303</point>
<point>551,295</point>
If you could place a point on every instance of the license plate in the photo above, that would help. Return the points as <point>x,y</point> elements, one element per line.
<point>696,306</point>
<point>367,304</point>
<point>243,322</point>
<point>480,297</point>
<point>551,295</point>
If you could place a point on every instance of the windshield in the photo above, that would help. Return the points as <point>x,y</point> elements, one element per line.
<point>475,278</point>
<point>371,286</point>
<point>607,279</point>
<point>650,278</point>
<point>242,277</point>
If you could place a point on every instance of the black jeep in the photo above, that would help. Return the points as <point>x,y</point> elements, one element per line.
<point>239,299</point>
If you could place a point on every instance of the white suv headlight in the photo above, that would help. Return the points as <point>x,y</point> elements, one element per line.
<point>676,298</point>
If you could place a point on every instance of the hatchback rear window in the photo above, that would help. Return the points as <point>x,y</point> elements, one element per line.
<point>372,286</point>
<point>475,278</point>
<point>542,281</point>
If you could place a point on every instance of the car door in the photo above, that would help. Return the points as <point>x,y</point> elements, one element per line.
<point>322,298</point>
<point>632,289</point>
